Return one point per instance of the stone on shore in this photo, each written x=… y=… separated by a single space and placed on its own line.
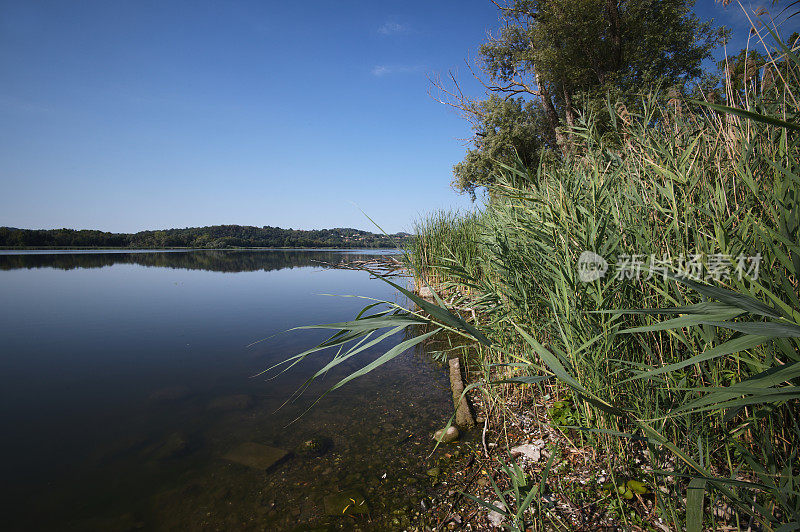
x=426 y=292
x=256 y=455
x=528 y=450
x=446 y=436
x=496 y=519
x=230 y=403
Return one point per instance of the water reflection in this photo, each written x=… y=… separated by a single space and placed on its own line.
x=211 y=260
x=127 y=382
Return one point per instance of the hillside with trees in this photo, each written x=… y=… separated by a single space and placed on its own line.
x=211 y=237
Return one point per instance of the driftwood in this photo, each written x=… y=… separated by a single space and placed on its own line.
x=378 y=267
x=464 y=418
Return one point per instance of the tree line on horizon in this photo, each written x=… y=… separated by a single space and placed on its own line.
x=211 y=237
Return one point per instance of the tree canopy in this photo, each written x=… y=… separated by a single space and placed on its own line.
x=550 y=56
x=505 y=129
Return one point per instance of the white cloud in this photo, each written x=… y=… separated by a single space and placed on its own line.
x=393 y=28
x=384 y=70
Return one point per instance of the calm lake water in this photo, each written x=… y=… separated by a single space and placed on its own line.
x=127 y=379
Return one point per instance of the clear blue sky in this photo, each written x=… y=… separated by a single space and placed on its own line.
x=130 y=115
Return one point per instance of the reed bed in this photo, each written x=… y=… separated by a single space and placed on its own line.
x=696 y=213
x=444 y=239
x=687 y=347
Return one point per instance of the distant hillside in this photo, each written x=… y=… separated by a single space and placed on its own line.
x=215 y=236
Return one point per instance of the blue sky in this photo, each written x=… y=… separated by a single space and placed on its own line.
x=735 y=18
x=130 y=115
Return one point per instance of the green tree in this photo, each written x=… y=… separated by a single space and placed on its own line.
x=504 y=130
x=556 y=54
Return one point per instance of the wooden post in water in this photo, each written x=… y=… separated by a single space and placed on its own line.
x=463 y=414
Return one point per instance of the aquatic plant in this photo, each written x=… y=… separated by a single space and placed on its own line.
x=442 y=239
x=713 y=392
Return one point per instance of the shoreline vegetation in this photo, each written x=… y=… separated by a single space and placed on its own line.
x=664 y=401
x=651 y=394
x=210 y=237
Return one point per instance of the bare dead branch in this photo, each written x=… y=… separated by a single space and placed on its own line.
x=450 y=94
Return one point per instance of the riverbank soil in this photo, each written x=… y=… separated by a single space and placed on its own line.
x=582 y=490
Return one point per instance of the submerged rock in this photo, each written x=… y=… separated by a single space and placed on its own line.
x=231 y=402
x=317 y=445
x=172 y=393
x=256 y=455
x=127 y=445
x=345 y=503
x=446 y=436
x=124 y=523
x=174 y=445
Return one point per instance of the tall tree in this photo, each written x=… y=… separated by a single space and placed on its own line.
x=556 y=53
x=504 y=130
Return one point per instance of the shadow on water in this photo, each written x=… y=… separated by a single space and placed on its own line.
x=128 y=385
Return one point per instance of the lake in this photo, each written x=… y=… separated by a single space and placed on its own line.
x=128 y=393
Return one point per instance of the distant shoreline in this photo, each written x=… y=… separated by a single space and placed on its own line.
x=181 y=249
x=178 y=248
x=209 y=237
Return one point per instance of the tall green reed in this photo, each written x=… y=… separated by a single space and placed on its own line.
x=444 y=238
x=714 y=389
x=670 y=182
